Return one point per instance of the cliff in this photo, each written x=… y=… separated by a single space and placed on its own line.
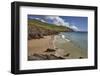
x=38 y=29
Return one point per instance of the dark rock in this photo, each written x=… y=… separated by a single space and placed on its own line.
x=34 y=35
x=67 y=54
x=41 y=56
x=80 y=57
x=50 y=50
x=51 y=57
x=44 y=57
x=40 y=35
x=35 y=32
x=34 y=58
x=61 y=58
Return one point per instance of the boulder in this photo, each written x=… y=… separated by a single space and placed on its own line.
x=68 y=54
x=53 y=57
x=50 y=50
x=80 y=57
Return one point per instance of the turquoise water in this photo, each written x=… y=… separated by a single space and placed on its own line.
x=77 y=38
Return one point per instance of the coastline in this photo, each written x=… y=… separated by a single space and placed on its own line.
x=62 y=48
x=70 y=50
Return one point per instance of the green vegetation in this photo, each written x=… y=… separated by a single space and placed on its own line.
x=38 y=29
x=47 y=26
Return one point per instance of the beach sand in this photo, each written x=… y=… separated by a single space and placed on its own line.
x=65 y=49
x=40 y=45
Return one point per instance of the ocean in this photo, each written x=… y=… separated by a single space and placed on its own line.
x=79 y=39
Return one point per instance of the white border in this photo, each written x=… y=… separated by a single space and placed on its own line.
x=26 y=65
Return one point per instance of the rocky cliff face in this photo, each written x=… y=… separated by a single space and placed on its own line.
x=37 y=32
x=37 y=29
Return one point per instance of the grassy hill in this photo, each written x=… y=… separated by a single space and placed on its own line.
x=38 y=29
x=47 y=26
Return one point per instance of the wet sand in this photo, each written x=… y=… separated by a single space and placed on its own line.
x=69 y=50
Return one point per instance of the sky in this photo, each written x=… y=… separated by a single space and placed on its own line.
x=74 y=22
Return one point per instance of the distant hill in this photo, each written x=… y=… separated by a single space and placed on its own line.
x=38 y=29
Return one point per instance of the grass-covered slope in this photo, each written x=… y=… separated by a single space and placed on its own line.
x=48 y=26
x=38 y=29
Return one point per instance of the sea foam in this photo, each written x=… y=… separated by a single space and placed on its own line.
x=63 y=36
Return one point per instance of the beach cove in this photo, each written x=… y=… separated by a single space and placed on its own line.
x=62 y=48
x=47 y=41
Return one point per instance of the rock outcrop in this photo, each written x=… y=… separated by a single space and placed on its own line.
x=37 y=32
x=50 y=50
x=38 y=29
x=44 y=57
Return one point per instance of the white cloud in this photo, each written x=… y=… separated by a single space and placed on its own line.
x=74 y=28
x=37 y=18
x=40 y=19
x=59 y=21
x=67 y=24
x=56 y=20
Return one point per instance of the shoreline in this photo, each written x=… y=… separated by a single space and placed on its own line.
x=67 y=47
x=63 y=48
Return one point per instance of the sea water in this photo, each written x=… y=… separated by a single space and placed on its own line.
x=79 y=39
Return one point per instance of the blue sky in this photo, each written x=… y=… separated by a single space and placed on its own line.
x=74 y=22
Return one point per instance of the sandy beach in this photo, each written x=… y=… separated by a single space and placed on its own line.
x=40 y=45
x=65 y=49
